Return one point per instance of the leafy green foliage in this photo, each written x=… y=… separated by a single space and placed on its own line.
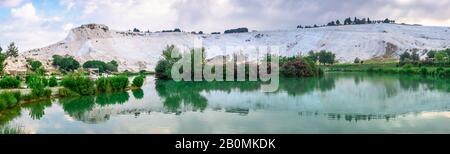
x=9 y=99
x=34 y=64
x=112 y=84
x=102 y=66
x=79 y=84
x=53 y=82
x=65 y=63
x=357 y=60
x=138 y=81
x=9 y=82
x=64 y=92
x=299 y=67
x=324 y=57
x=12 y=50
x=2 y=60
x=164 y=66
x=441 y=56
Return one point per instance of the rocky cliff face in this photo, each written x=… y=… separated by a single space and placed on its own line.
x=141 y=51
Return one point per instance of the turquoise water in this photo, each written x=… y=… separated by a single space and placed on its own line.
x=336 y=103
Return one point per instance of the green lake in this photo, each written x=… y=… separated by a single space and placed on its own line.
x=335 y=103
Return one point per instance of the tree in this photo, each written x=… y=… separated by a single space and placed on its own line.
x=431 y=54
x=136 y=30
x=2 y=60
x=65 y=63
x=326 y=57
x=357 y=60
x=368 y=21
x=348 y=21
x=405 y=57
x=177 y=30
x=138 y=81
x=53 y=82
x=34 y=64
x=338 y=22
x=112 y=66
x=415 y=56
x=12 y=50
x=313 y=56
x=386 y=21
x=440 y=56
x=102 y=66
x=237 y=30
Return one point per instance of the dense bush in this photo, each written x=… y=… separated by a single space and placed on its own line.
x=64 y=92
x=65 y=63
x=323 y=57
x=298 y=68
x=9 y=99
x=102 y=66
x=53 y=82
x=9 y=82
x=112 y=84
x=138 y=81
x=41 y=93
x=423 y=71
x=34 y=64
x=163 y=69
x=79 y=84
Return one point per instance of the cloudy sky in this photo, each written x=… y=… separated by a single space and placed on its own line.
x=37 y=23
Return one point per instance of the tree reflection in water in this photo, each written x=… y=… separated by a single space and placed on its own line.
x=138 y=94
x=37 y=110
x=178 y=97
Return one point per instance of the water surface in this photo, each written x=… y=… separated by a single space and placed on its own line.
x=336 y=103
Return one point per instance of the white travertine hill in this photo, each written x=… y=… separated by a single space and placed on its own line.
x=141 y=51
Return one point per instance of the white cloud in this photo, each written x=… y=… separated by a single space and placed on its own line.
x=28 y=30
x=26 y=12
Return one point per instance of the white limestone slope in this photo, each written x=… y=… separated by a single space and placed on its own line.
x=141 y=51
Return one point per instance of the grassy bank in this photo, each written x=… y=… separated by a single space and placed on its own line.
x=391 y=68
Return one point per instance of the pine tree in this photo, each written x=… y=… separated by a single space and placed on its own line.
x=12 y=50
x=1 y=49
x=368 y=21
x=338 y=22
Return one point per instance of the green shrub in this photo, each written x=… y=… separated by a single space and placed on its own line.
x=7 y=100
x=439 y=72
x=119 y=83
x=41 y=93
x=65 y=63
x=447 y=72
x=36 y=81
x=9 y=82
x=112 y=84
x=163 y=70
x=138 y=81
x=423 y=71
x=64 y=92
x=34 y=64
x=407 y=71
x=53 y=82
x=408 y=66
x=299 y=67
x=102 y=66
x=79 y=84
